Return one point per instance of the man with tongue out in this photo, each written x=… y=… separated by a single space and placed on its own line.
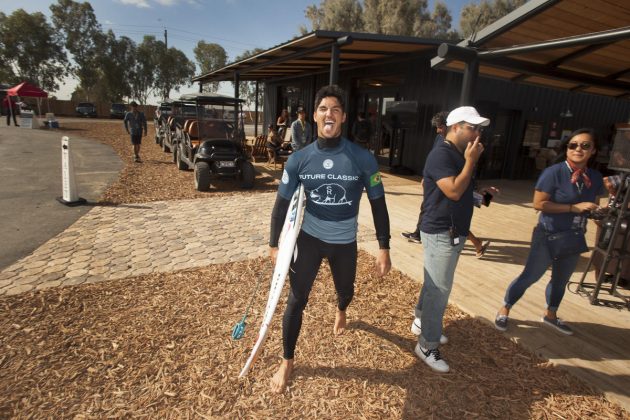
x=334 y=172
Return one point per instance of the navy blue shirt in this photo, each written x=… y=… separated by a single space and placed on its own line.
x=134 y=123
x=334 y=180
x=556 y=181
x=440 y=212
x=438 y=139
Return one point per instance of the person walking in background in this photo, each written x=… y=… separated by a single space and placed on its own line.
x=448 y=205
x=329 y=229
x=362 y=131
x=564 y=194
x=135 y=122
x=301 y=132
x=11 y=108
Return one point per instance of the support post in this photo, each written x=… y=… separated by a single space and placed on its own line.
x=237 y=108
x=334 y=64
x=256 y=112
x=471 y=74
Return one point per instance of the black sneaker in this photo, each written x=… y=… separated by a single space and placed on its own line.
x=412 y=237
x=558 y=325
x=500 y=322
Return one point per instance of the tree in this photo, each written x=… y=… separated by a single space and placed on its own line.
x=394 y=17
x=476 y=16
x=210 y=57
x=116 y=66
x=142 y=77
x=159 y=70
x=34 y=56
x=336 y=15
x=173 y=70
x=391 y=17
x=437 y=26
x=83 y=38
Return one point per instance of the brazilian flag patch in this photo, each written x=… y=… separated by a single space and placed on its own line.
x=375 y=179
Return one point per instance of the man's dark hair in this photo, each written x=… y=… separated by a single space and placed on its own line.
x=331 y=90
x=439 y=119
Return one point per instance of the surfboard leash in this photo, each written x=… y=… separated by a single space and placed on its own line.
x=238 y=331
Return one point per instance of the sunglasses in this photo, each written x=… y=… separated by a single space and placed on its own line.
x=474 y=127
x=584 y=146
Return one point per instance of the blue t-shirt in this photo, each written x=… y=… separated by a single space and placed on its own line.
x=556 y=181
x=440 y=213
x=333 y=180
x=135 y=123
x=438 y=139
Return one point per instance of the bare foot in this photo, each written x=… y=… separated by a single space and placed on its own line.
x=280 y=380
x=340 y=322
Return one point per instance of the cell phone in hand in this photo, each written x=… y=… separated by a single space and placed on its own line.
x=487 y=198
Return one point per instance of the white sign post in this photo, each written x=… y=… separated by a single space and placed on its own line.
x=69 y=185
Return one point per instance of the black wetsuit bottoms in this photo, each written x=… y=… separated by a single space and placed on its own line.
x=342 y=259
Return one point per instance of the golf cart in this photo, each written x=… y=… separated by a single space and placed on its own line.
x=159 y=121
x=180 y=112
x=212 y=144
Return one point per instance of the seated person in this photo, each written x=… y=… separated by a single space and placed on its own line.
x=275 y=146
x=282 y=123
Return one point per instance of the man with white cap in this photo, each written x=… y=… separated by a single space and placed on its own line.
x=448 y=205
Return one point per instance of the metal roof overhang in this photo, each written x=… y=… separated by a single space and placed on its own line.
x=313 y=53
x=577 y=45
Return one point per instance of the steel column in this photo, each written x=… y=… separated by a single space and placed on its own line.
x=471 y=74
x=334 y=64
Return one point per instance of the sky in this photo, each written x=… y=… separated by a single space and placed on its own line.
x=237 y=25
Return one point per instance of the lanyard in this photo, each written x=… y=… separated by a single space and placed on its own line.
x=579 y=185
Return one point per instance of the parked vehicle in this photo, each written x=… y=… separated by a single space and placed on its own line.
x=212 y=145
x=117 y=111
x=160 y=118
x=86 y=109
x=181 y=111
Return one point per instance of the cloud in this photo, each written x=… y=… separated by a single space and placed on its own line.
x=143 y=4
x=176 y=2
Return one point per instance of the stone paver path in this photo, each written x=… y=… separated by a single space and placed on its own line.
x=113 y=242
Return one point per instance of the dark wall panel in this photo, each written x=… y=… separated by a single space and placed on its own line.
x=436 y=90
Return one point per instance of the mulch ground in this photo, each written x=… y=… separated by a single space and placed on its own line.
x=160 y=345
x=156 y=178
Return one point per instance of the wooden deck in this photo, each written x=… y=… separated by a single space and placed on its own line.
x=598 y=352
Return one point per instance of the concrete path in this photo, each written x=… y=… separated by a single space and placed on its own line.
x=30 y=169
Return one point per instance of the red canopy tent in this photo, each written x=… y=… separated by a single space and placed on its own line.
x=27 y=89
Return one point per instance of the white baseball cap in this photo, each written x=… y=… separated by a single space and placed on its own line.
x=466 y=114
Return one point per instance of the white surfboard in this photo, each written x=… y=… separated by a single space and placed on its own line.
x=288 y=237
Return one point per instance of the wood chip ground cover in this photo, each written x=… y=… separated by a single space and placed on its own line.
x=160 y=345
x=156 y=178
